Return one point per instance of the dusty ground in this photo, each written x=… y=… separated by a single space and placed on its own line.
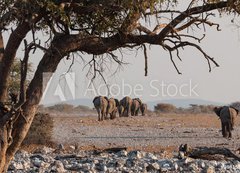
x=144 y=132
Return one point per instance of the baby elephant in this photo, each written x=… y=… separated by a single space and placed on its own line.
x=227 y=115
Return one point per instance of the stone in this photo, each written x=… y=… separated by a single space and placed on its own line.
x=59 y=166
x=202 y=164
x=16 y=166
x=37 y=162
x=122 y=153
x=44 y=150
x=175 y=166
x=61 y=147
x=72 y=147
x=135 y=154
x=151 y=156
x=210 y=169
x=181 y=155
x=153 y=166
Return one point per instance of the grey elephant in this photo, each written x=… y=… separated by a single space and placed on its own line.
x=136 y=103
x=227 y=116
x=126 y=104
x=143 y=108
x=112 y=108
x=101 y=103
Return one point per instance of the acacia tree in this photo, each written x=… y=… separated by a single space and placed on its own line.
x=94 y=27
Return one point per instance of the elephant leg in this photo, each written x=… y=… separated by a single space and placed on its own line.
x=132 y=112
x=232 y=122
x=229 y=129
x=129 y=110
x=103 y=112
x=137 y=112
x=99 y=115
x=224 y=132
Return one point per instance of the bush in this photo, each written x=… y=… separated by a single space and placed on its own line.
x=61 y=108
x=41 y=130
x=164 y=107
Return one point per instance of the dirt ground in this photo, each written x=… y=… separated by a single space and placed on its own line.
x=152 y=133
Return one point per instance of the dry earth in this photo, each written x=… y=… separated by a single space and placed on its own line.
x=149 y=133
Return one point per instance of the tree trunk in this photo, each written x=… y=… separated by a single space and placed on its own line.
x=1 y=47
x=35 y=90
x=8 y=57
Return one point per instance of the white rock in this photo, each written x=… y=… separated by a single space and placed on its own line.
x=210 y=169
x=151 y=156
x=61 y=147
x=37 y=162
x=16 y=166
x=181 y=155
x=175 y=166
x=237 y=165
x=122 y=153
x=59 y=166
x=72 y=147
x=202 y=164
x=154 y=166
x=135 y=154
x=187 y=160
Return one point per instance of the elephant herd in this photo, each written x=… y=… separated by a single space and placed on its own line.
x=127 y=106
x=110 y=107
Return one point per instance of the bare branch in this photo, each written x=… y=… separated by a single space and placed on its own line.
x=146 y=59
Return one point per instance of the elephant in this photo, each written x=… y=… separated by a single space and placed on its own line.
x=143 y=108
x=120 y=110
x=126 y=103
x=136 y=103
x=101 y=103
x=227 y=115
x=112 y=108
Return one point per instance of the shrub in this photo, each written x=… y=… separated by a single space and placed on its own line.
x=164 y=107
x=41 y=130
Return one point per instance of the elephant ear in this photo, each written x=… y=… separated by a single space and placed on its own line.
x=95 y=98
x=217 y=110
x=235 y=109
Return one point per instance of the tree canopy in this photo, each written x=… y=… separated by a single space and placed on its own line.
x=95 y=27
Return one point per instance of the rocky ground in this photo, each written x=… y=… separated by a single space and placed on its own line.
x=147 y=144
x=50 y=160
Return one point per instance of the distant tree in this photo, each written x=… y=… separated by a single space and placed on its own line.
x=164 y=107
x=65 y=108
x=81 y=108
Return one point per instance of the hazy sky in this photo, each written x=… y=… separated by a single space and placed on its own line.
x=163 y=82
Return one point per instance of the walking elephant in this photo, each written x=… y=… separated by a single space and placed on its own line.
x=143 y=108
x=101 y=103
x=120 y=109
x=136 y=103
x=126 y=104
x=112 y=108
x=227 y=116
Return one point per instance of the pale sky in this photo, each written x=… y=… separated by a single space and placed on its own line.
x=221 y=85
